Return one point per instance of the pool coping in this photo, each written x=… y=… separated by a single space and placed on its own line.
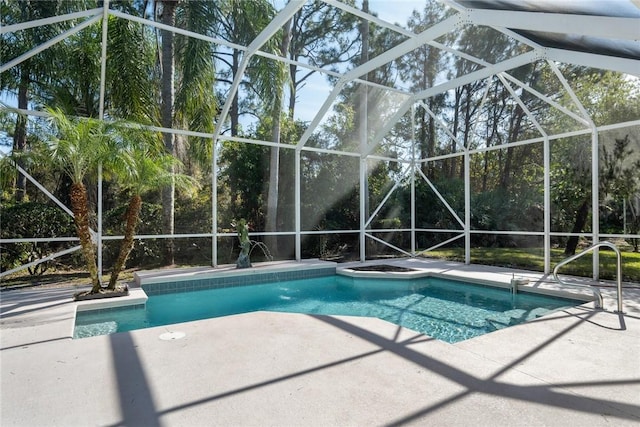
x=520 y=282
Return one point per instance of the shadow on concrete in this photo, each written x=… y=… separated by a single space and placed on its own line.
x=270 y=382
x=136 y=400
x=19 y=303
x=418 y=338
x=584 y=315
x=138 y=407
x=25 y=345
x=20 y=312
x=544 y=394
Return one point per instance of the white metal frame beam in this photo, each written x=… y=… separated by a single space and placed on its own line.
x=49 y=43
x=586 y=25
x=51 y=20
x=276 y=23
x=593 y=60
x=484 y=73
x=384 y=58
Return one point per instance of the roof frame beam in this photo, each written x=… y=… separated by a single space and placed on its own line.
x=51 y=20
x=593 y=60
x=276 y=23
x=405 y=47
x=36 y=50
x=509 y=64
x=587 y=25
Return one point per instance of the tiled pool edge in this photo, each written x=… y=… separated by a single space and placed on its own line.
x=233 y=280
x=186 y=280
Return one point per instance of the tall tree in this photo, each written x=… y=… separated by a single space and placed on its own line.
x=187 y=93
x=76 y=148
x=240 y=23
x=271 y=223
x=148 y=170
x=608 y=97
x=320 y=36
x=31 y=74
x=423 y=76
x=167 y=95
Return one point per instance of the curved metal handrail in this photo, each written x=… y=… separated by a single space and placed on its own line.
x=596 y=291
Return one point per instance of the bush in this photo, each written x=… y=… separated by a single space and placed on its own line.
x=30 y=219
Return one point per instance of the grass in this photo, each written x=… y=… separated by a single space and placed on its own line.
x=533 y=259
x=56 y=278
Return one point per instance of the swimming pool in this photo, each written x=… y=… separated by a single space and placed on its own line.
x=447 y=310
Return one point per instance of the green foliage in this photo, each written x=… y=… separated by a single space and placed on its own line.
x=243 y=179
x=130 y=63
x=25 y=220
x=503 y=210
x=145 y=252
x=193 y=211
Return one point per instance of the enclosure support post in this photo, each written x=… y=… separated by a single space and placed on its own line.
x=595 y=213
x=547 y=205
x=103 y=74
x=363 y=207
x=467 y=207
x=297 y=204
x=595 y=224
x=413 y=180
x=214 y=204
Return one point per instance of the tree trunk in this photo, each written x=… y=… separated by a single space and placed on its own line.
x=167 y=114
x=514 y=133
x=578 y=226
x=293 y=69
x=234 y=111
x=131 y=217
x=423 y=141
x=451 y=171
x=79 y=204
x=20 y=134
x=271 y=224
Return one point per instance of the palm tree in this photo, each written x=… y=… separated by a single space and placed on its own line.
x=186 y=88
x=30 y=78
x=149 y=170
x=79 y=146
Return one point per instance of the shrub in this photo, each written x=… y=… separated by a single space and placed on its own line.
x=30 y=219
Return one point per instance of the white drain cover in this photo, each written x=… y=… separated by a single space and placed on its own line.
x=168 y=336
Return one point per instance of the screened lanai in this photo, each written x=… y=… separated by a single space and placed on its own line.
x=336 y=129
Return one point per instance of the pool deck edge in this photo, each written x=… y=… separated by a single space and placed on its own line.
x=572 y=367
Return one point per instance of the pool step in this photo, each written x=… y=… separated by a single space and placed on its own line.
x=513 y=317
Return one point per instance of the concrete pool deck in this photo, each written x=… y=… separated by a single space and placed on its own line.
x=574 y=367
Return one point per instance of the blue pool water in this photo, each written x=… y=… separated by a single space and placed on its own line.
x=447 y=310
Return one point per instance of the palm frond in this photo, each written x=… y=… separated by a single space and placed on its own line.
x=79 y=145
x=129 y=67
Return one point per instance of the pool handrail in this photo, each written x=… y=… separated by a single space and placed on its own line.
x=596 y=291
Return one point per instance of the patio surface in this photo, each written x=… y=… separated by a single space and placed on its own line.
x=575 y=367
